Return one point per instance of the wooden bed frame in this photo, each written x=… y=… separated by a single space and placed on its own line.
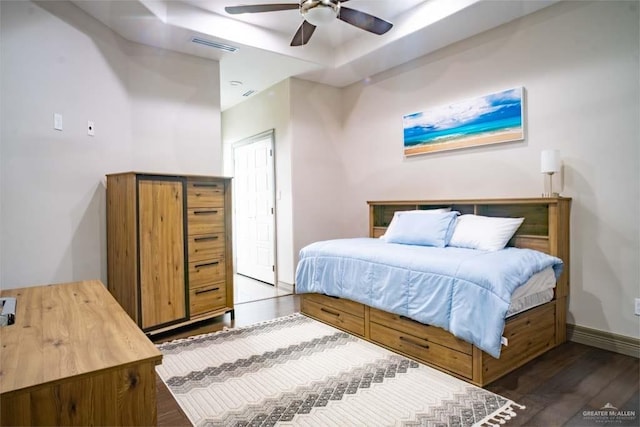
x=529 y=334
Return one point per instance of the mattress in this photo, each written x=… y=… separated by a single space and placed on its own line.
x=536 y=291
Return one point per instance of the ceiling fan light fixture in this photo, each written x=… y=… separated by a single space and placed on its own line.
x=319 y=12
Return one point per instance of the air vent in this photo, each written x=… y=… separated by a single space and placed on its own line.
x=213 y=44
x=249 y=92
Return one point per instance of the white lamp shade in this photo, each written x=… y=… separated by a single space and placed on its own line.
x=550 y=161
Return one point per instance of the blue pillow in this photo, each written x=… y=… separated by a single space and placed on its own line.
x=424 y=230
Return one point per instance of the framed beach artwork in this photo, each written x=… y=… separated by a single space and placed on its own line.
x=489 y=119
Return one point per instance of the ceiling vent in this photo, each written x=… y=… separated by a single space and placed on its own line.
x=211 y=43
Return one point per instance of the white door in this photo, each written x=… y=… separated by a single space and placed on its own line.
x=253 y=191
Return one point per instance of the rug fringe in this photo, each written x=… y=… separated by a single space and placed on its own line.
x=501 y=416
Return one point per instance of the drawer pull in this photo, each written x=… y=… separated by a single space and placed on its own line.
x=208 y=264
x=205 y=212
x=417 y=344
x=205 y=239
x=203 y=291
x=205 y=184
x=331 y=312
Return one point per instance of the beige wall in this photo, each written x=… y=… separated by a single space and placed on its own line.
x=269 y=109
x=154 y=110
x=579 y=64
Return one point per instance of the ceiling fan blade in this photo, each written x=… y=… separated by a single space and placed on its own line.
x=256 y=8
x=303 y=34
x=365 y=21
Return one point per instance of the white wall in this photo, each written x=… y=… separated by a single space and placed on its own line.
x=318 y=174
x=154 y=111
x=269 y=109
x=579 y=63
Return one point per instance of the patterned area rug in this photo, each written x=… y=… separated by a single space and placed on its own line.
x=297 y=371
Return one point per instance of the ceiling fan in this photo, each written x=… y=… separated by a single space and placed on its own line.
x=318 y=12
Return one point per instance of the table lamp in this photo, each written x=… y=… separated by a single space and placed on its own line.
x=550 y=164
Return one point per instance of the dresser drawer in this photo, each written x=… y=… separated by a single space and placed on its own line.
x=205 y=272
x=205 y=194
x=206 y=246
x=332 y=316
x=207 y=298
x=335 y=303
x=426 y=351
x=420 y=330
x=205 y=220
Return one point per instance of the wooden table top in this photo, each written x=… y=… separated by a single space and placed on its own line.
x=67 y=330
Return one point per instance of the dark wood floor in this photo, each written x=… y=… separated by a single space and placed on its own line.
x=557 y=388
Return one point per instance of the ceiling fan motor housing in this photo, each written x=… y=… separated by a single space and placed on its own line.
x=319 y=12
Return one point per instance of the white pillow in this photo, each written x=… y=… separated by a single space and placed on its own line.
x=423 y=230
x=394 y=220
x=484 y=232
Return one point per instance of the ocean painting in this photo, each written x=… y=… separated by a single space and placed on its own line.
x=489 y=119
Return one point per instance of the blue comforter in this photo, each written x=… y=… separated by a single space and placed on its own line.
x=465 y=291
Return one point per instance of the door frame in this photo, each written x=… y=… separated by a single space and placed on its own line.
x=248 y=141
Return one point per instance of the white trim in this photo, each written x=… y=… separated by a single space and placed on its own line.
x=246 y=141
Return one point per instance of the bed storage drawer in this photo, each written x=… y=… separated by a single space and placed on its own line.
x=529 y=334
x=333 y=316
x=420 y=330
x=336 y=303
x=424 y=350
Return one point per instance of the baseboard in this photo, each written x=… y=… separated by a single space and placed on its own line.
x=287 y=287
x=604 y=340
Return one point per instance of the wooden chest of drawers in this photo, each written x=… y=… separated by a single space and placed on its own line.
x=169 y=247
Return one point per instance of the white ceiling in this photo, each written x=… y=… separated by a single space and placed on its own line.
x=338 y=54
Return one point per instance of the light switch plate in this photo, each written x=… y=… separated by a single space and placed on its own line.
x=57 y=121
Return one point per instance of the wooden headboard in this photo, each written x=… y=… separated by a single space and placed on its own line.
x=545 y=227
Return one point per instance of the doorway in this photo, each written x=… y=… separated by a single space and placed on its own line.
x=254 y=215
